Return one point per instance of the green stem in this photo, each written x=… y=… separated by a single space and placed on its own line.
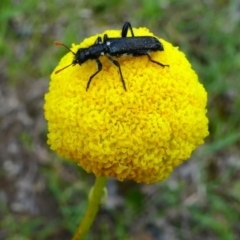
x=92 y=209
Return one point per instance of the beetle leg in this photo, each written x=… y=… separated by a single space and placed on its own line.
x=99 y=40
x=126 y=26
x=105 y=38
x=116 y=63
x=99 y=65
x=160 y=64
x=145 y=53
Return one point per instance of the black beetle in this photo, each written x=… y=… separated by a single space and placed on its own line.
x=116 y=47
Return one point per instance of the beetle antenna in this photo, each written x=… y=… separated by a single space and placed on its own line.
x=59 y=70
x=61 y=44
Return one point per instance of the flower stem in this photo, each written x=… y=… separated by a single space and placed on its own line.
x=92 y=209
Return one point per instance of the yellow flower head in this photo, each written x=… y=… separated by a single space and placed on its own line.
x=142 y=133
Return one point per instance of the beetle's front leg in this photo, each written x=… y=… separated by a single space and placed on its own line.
x=99 y=65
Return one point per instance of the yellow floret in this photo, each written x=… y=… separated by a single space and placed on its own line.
x=142 y=133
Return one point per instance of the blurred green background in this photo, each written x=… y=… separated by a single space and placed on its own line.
x=44 y=197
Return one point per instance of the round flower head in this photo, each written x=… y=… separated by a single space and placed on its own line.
x=142 y=133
